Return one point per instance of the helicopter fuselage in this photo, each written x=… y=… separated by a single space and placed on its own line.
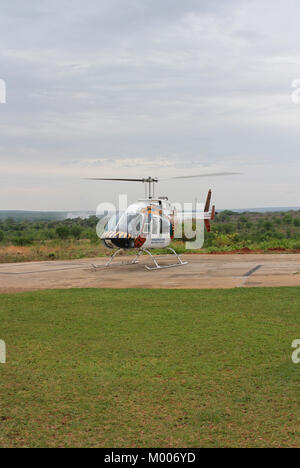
x=146 y=224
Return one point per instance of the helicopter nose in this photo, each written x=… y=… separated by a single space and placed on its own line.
x=115 y=235
x=123 y=240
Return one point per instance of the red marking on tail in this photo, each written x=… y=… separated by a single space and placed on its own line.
x=208 y=200
x=213 y=213
x=207 y=225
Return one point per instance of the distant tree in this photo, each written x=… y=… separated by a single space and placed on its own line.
x=76 y=232
x=1 y=236
x=62 y=232
x=50 y=234
x=22 y=241
x=288 y=219
x=297 y=222
x=228 y=228
x=268 y=225
x=260 y=224
x=92 y=236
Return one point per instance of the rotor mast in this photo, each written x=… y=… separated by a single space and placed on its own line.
x=150 y=187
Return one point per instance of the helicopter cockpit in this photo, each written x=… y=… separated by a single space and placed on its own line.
x=131 y=228
x=124 y=222
x=123 y=228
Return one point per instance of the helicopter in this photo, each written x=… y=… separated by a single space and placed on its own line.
x=150 y=222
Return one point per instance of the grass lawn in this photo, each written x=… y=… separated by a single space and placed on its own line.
x=148 y=368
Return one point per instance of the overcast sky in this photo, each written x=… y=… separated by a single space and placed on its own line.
x=149 y=87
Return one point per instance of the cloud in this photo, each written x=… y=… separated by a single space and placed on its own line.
x=119 y=163
x=125 y=86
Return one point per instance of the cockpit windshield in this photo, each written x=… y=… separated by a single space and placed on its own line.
x=129 y=222
x=113 y=222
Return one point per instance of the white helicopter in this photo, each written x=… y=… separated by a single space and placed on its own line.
x=149 y=223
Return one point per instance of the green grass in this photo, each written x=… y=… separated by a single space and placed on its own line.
x=147 y=368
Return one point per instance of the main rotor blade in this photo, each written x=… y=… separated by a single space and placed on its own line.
x=122 y=180
x=213 y=174
x=150 y=179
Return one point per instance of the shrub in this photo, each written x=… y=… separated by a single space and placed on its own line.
x=288 y=219
x=92 y=236
x=297 y=222
x=22 y=241
x=76 y=232
x=226 y=240
x=62 y=232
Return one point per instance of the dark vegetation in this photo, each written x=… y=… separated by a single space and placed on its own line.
x=39 y=215
x=26 y=240
x=27 y=232
x=255 y=230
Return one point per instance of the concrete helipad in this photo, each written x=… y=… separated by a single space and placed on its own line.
x=202 y=271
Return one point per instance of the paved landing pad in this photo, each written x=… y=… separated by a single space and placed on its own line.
x=202 y=271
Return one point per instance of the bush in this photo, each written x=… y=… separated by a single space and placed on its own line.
x=63 y=232
x=226 y=240
x=92 y=236
x=76 y=232
x=297 y=222
x=22 y=241
x=227 y=228
x=288 y=219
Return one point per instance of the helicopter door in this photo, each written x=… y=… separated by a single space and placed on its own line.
x=157 y=238
x=146 y=226
x=155 y=227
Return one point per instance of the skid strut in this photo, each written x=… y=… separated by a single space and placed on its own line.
x=160 y=267
x=132 y=262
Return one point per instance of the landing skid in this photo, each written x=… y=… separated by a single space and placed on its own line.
x=161 y=267
x=136 y=260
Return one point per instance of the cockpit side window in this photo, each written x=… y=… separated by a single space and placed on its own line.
x=165 y=225
x=146 y=228
x=155 y=226
x=138 y=224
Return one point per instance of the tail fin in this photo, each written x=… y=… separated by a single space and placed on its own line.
x=206 y=210
x=208 y=200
